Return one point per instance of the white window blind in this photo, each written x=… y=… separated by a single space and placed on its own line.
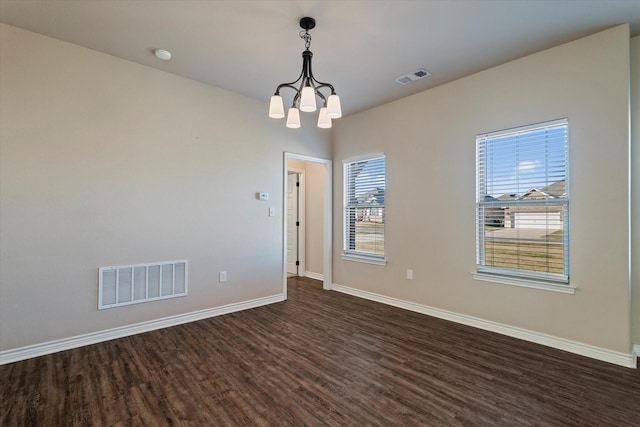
x=522 y=202
x=364 y=204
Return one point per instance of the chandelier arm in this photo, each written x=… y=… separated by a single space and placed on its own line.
x=289 y=85
x=322 y=97
x=295 y=99
x=318 y=84
x=323 y=85
x=299 y=89
x=304 y=76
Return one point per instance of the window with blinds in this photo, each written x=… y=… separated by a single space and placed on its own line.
x=364 y=206
x=522 y=202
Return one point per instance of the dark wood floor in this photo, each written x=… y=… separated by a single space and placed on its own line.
x=320 y=358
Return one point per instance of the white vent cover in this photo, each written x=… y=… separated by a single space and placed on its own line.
x=132 y=284
x=413 y=77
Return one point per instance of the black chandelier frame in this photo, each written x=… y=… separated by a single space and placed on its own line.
x=306 y=77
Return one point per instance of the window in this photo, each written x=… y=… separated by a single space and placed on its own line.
x=364 y=209
x=522 y=202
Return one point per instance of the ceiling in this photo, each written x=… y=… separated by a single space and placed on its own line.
x=361 y=47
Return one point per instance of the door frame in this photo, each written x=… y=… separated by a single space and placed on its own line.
x=327 y=217
x=301 y=217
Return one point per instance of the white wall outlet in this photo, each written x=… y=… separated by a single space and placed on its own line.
x=223 y=276
x=410 y=274
x=272 y=211
x=264 y=196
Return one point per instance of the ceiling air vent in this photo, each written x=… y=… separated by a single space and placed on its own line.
x=413 y=77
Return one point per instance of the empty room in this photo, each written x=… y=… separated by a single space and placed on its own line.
x=309 y=213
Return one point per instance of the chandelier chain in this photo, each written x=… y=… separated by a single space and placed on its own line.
x=304 y=35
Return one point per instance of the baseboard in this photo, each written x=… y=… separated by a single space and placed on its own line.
x=316 y=276
x=22 y=353
x=622 y=359
x=636 y=351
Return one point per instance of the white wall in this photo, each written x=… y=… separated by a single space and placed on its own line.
x=106 y=162
x=429 y=140
x=635 y=186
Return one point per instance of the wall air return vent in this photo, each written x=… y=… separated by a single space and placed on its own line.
x=413 y=77
x=132 y=284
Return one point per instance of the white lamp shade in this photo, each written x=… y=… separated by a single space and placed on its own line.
x=276 y=108
x=324 y=121
x=308 y=99
x=293 y=118
x=334 y=110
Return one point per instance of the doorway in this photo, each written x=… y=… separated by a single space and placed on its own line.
x=307 y=222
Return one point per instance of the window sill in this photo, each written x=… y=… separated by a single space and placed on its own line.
x=364 y=259
x=525 y=283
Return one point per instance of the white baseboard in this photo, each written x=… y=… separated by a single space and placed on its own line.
x=316 y=276
x=622 y=359
x=22 y=353
x=636 y=351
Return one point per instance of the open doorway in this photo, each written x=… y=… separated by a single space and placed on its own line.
x=307 y=222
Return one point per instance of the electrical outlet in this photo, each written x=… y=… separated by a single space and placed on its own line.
x=223 y=276
x=410 y=274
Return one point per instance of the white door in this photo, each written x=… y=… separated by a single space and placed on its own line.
x=292 y=224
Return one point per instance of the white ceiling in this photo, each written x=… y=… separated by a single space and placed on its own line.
x=250 y=46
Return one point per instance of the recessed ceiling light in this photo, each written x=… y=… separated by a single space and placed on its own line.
x=165 y=55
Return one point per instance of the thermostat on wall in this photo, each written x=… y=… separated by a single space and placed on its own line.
x=264 y=196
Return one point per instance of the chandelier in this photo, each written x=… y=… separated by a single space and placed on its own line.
x=308 y=89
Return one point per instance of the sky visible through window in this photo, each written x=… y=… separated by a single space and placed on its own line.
x=516 y=163
x=371 y=177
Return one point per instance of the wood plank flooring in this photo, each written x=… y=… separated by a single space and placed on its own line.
x=319 y=359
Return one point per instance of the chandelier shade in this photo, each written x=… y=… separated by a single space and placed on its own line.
x=307 y=91
x=334 y=110
x=276 y=107
x=308 y=99
x=293 y=118
x=324 y=121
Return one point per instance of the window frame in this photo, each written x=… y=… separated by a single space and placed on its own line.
x=514 y=276
x=350 y=254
